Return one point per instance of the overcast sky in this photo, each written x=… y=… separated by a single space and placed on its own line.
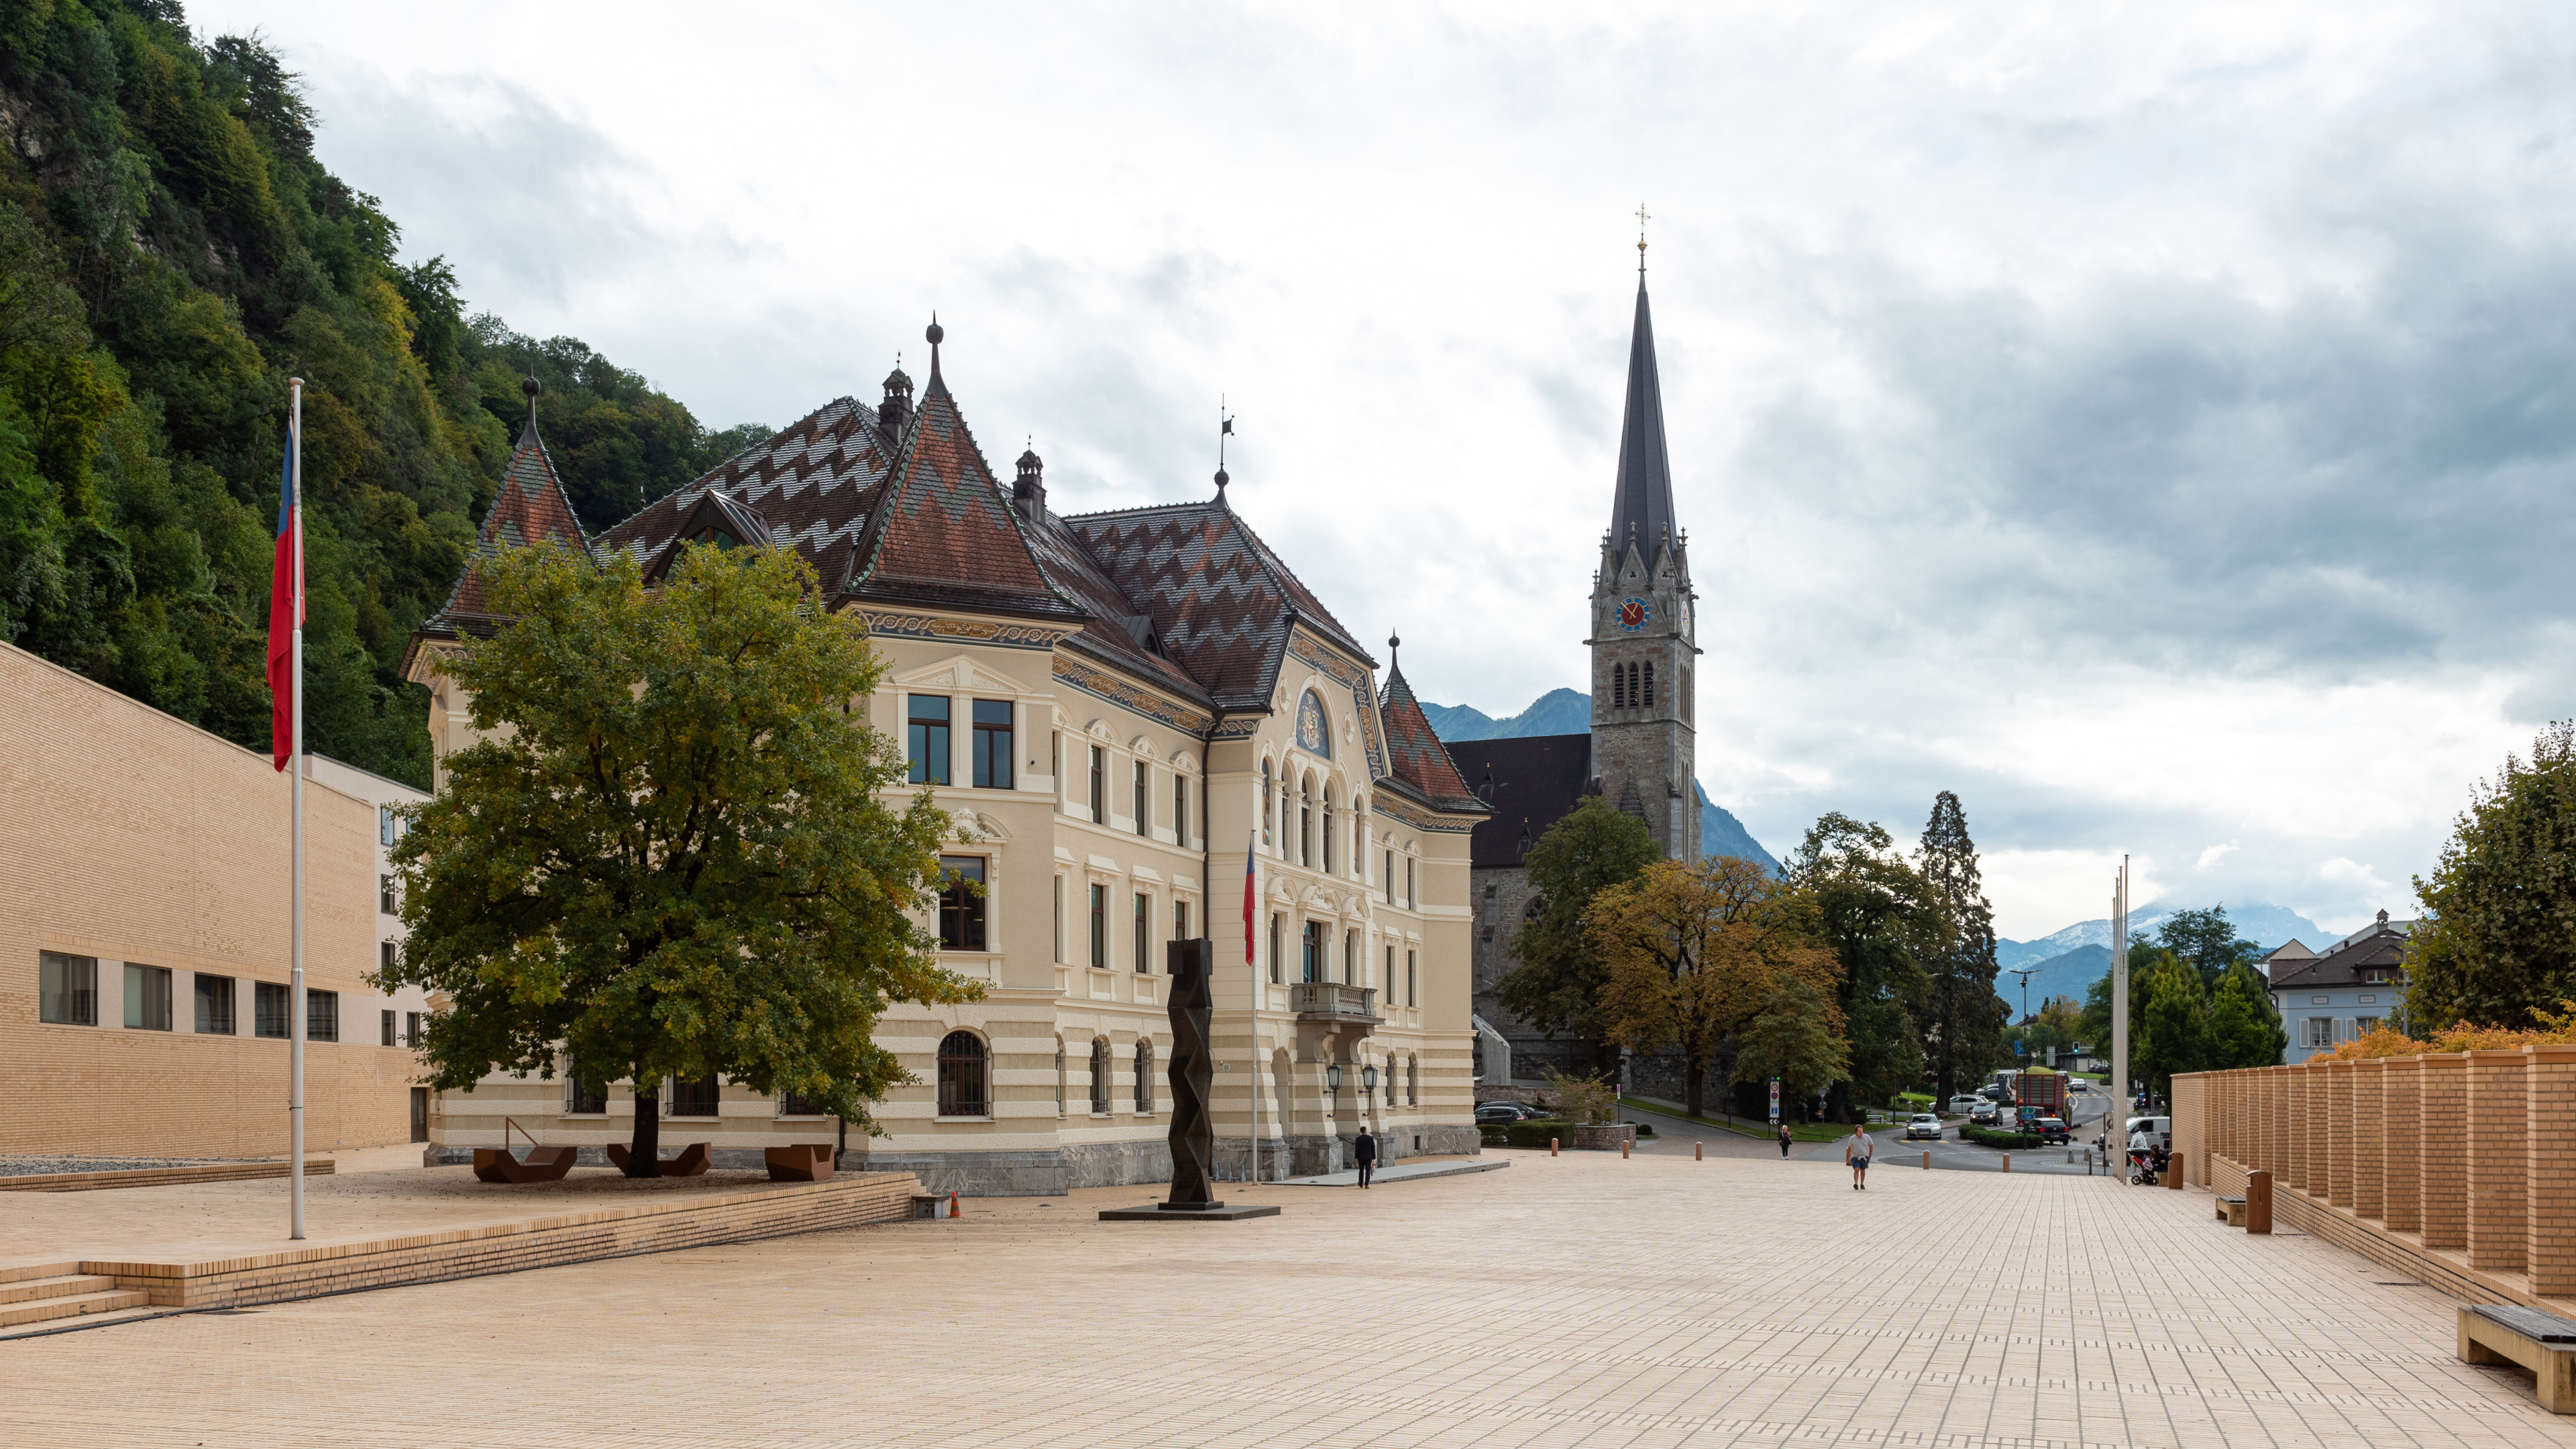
x=2156 y=429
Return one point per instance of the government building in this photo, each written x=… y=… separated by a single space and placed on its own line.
x=1126 y=712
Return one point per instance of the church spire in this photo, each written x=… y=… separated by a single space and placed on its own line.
x=1642 y=511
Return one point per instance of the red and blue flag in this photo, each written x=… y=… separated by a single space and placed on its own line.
x=285 y=608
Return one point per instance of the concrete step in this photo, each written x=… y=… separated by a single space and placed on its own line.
x=70 y=1305
x=54 y=1287
x=20 y=1272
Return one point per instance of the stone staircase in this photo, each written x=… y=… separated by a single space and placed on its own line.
x=41 y=1293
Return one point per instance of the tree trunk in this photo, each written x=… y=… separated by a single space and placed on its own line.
x=643 y=1154
x=1694 y=1084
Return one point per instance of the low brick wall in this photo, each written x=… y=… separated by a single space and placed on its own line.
x=158 y=1176
x=654 y=1227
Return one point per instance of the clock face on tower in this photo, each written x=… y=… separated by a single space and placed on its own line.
x=1632 y=614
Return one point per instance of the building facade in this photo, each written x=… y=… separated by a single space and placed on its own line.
x=2355 y=987
x=145 y=1003
x=1126 y=712
x=1640 y=752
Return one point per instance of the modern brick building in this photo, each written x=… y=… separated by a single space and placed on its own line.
x=1640 y=750
x=144 y=920
x=1114 y=705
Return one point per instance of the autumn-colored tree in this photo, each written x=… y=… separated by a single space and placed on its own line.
x=1557 y=985
x=2556 y=1028
x=671 y=854
x=1692 y=952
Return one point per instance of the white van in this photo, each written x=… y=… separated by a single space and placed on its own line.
x=2160 y=1127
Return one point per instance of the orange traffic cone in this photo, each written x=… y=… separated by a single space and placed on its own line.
x=952 y=1205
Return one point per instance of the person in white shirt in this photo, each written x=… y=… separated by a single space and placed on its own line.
x=1857 y=1150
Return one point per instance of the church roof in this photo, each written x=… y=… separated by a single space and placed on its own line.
x=1530 y=783
x=1642 y=505
x=1221 y=599
x=1414 y=753
x=531 y=507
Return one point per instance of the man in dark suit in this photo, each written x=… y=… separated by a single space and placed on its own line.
x=1364 y=1152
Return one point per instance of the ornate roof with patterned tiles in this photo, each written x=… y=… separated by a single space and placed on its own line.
x=1414 y=753
x=531 y=507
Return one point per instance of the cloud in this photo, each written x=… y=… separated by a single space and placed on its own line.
x=2214 y=855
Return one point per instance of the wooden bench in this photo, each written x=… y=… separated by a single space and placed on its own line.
x=804 y=1162
x=2231 y=1211
x=543 y=1164
x=692 y=1161
x=2541 y=1342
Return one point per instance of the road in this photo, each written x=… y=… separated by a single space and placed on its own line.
x=1678 y=1134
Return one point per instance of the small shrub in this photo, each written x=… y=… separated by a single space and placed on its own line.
x=2008 y=1141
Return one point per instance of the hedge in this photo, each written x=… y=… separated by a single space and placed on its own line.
x=2005 y=1140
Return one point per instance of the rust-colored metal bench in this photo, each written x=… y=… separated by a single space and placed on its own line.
x=693 y=1160
x=542 y=1164
x=804 y=1162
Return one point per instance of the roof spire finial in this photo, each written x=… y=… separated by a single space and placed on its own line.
x=933 y=334
x=531 y=387
x=1642 y=219
x=1393 y=643
x=1224 y=430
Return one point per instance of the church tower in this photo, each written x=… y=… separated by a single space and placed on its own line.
x=1643 y=651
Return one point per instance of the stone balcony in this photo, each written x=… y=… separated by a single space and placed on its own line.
x=1328 y=1001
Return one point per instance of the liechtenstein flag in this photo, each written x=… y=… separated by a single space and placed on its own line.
x=285 y=608
x=1250 y=894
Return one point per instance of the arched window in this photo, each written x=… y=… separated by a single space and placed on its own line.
x=1413 y=1081
x=961 y=1076
x=1144 y=1075
x=1328 y=827
x=1306 y=822
x=1100 y=1075
x=1618 y=686
x=1059 y=1076
x=1390 y=1062
x=1650 y=684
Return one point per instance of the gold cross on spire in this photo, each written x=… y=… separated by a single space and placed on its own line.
x=1642 y=219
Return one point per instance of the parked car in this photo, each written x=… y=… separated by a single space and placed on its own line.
x=1922 y=1124
x=2052 y=1129
x=2078 y=1084
x=1961 y=1106
x=1503 y=1114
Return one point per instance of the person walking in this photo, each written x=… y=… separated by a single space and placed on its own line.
x=1364 y=1152
x=1785 y=1139
x=1857 y=1151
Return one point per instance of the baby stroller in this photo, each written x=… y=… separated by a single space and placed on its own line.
x=2146 y=1166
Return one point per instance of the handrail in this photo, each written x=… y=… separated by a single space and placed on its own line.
x=507 y=1124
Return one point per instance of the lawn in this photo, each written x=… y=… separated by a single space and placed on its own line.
x=1742 y=1126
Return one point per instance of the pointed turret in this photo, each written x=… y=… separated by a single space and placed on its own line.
x=1641 y=510
x=1415 y=756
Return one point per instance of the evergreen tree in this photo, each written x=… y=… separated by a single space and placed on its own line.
x=2173 y=1030
x=1793 y=1038
x=2244 y=1027
x=1964 y=1017
x=2206 y=941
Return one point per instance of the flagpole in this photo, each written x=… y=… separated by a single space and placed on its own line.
x=1252 y=959
x=295 y=673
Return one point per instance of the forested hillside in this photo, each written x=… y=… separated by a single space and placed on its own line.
x=170 y=253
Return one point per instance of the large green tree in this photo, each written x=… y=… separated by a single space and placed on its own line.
x=670 y=855
x=2498 y=945
x=1557 y=985
x=2207 y=942
x=1880 y=917
x=1793 y=1038
x=1962 y=1017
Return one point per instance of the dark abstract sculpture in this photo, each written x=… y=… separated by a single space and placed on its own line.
x=1193 y=1130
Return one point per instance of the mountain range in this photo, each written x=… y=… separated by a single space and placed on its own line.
x=2067 y=962
x=1569 y=712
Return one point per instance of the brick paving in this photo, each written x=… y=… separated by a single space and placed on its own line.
x=1575 y=1300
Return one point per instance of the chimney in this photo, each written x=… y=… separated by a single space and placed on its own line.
x=1028 y=491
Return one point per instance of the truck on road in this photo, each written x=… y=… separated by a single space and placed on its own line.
x=2036 y=1093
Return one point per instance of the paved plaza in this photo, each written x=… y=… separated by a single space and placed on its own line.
x=1571 y=1300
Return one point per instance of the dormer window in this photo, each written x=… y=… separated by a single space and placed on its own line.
x=716 y=536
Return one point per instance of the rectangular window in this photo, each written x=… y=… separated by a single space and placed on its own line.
x=1059 y=920
x=271 y=1010
x=411 y=1028
x=1055 y=759
x=1144 y=928
x=385 y=895
x=797 y=1104
x=387 y=955
x=961 y=903
x=1099 y=785
x=2316 y=1033
x=695 y=1098
x=1180 y=920
x=1390 y=877
x=2364 y=1025
x=384 y=825
x=1390 y=976
x=321 y=1015
x=1412 y=995
x=1180 y=810
x=925 y=739
x=385 y=1028
x=1350 y=958
x=1143 y=801
x=1100 y=928
x=147 y=997
x=215 y=1005
x=67 y=988
x=1411 y=901
x=583 y=1096
x=1274 y=948
x=992 y=744
x=1311 y=948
